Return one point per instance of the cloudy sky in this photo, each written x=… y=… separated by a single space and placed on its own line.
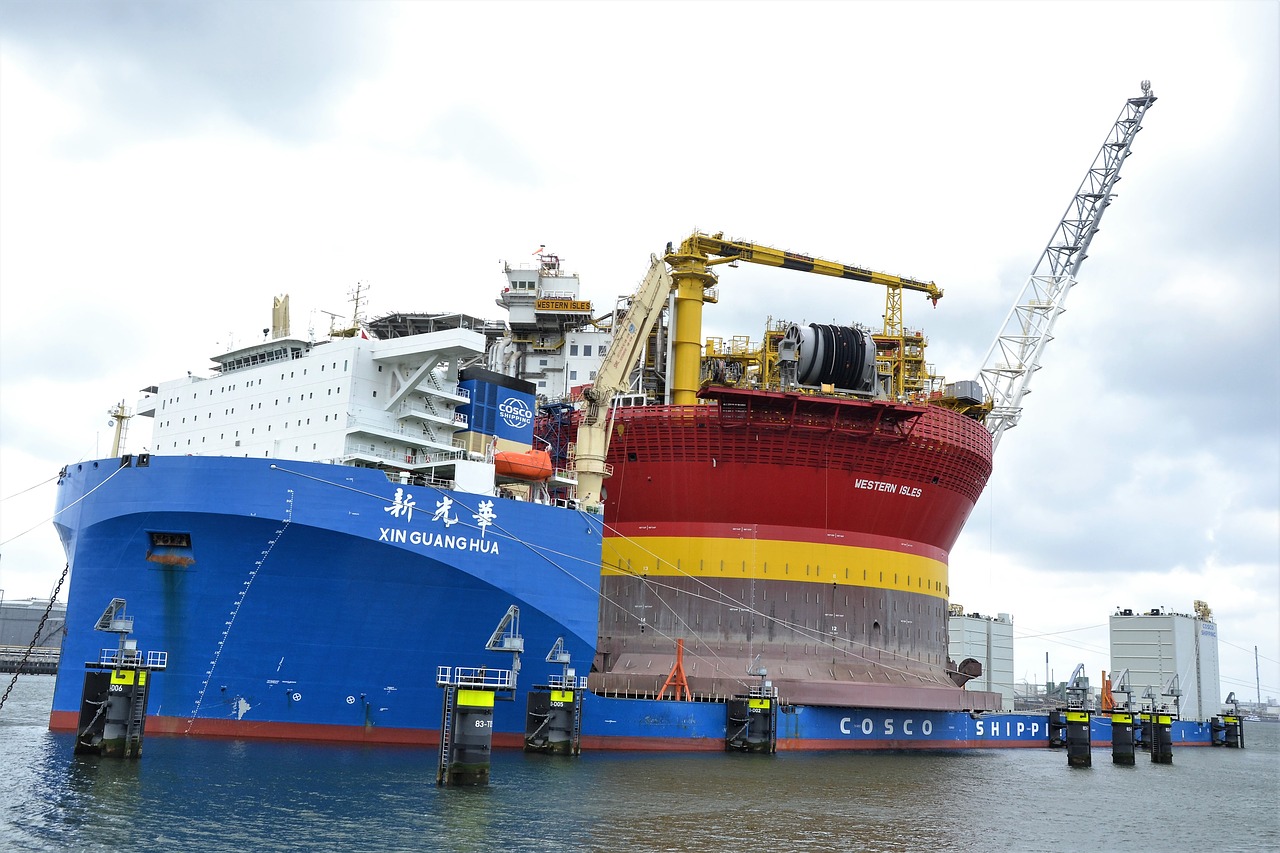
x=166 y=168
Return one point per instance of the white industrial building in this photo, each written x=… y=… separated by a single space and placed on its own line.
x=1169 y=656
x=20 y=619
x=989 y=641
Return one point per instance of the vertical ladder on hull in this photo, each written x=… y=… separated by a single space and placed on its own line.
x=575 y=741
x=446 y=728
x=137 y=719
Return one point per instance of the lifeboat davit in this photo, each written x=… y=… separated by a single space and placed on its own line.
x=529 y=465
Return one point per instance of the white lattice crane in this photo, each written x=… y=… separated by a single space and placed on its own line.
x=1015 y=356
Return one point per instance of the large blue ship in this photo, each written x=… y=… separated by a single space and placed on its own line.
x=322 y=532
x=301 y=600
x=318 y=527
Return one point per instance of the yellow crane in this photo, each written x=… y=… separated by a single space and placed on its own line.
x=613 y=376
x=692 y=278
x=689 y=278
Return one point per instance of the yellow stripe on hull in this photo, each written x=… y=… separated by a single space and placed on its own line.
x=769 y=559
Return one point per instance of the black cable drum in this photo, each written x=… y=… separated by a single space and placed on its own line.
x=842 y=356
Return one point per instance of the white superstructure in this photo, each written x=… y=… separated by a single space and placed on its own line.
x=552 y=340
x=348 y=400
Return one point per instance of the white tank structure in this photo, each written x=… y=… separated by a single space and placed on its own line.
x=20 y=618
x=1172 y=659
x=989 y=641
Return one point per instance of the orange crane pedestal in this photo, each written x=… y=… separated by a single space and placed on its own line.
x=676 y=680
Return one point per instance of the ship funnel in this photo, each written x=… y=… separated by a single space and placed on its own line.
x=280 y=317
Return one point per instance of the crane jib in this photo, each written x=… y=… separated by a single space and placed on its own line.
x=804 y=263
x=1015 y=355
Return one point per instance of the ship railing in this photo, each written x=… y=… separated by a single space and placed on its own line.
x=479 y=677
x=571 y=683
x=414 y=434
x=433 y=458
x=40 y=654
x=762 y=691
x=435 y=482
x=546 y=345
x=401 y=478
x=461 y=448
x=118 y=657
x=418 y=407
x=508 y=267
x=630 y=693
x=370 y=450
x=132 y=659
x=431 y=385
x=448 y=455
x=400 y=458
x=254 y=360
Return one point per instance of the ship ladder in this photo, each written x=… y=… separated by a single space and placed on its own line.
x=446 y=741
x=575 y=741
x=137 y=720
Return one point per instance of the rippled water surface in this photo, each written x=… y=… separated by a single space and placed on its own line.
x=192 y=794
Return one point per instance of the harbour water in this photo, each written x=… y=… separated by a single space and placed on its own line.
x=192 y=794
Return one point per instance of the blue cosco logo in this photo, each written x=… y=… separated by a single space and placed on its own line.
x=515 y=413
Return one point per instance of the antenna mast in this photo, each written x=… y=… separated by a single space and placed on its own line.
x=120 y=420
x=361 y=289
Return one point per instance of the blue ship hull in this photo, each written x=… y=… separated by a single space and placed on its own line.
x=303 y=600
x=310 y=597
x=653 y=724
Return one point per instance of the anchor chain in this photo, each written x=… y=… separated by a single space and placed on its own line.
x=36 y=638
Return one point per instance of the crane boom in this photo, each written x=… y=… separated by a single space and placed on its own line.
x=629 y=339
x=1014 y=357
x=735 y=250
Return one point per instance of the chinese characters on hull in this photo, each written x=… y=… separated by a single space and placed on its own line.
x=403 y=505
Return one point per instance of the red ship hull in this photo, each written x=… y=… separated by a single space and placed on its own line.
x=804 y=535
